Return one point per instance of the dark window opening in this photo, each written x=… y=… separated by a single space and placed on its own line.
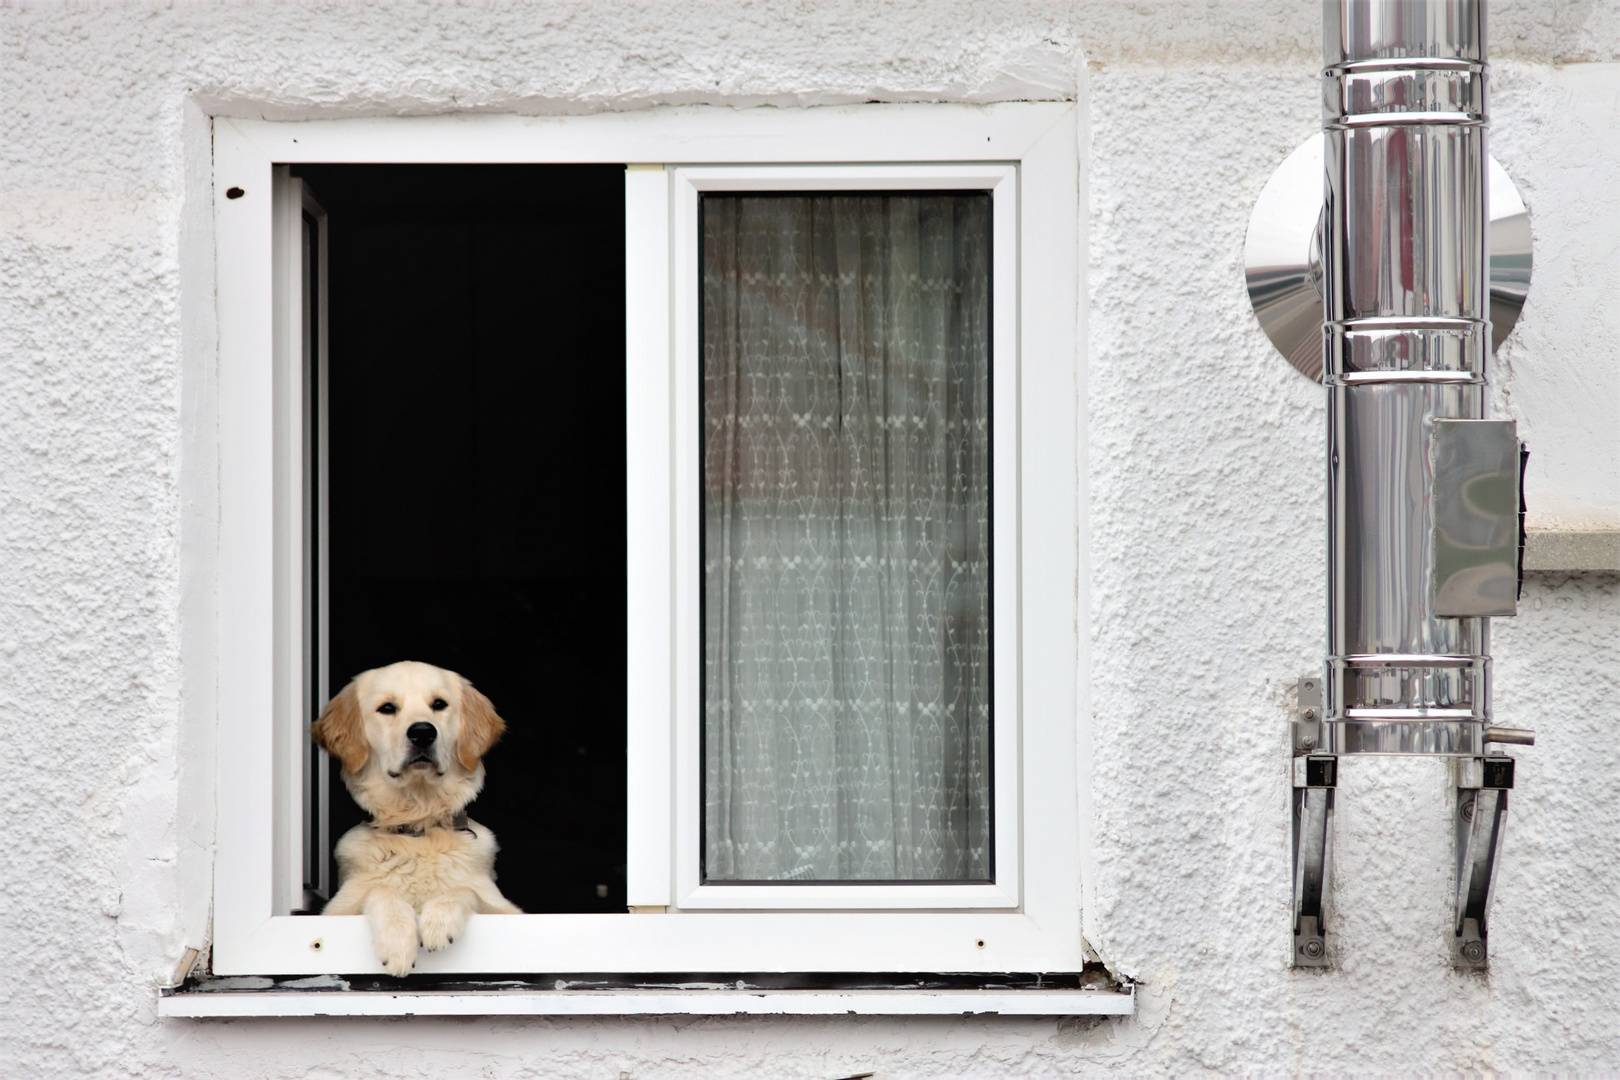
x=475 y=470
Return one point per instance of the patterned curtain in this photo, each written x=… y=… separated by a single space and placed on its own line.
x=846 y=618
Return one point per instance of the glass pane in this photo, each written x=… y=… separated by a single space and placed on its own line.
x=846 y=605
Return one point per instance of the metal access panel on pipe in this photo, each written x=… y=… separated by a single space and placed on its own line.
x=1476 y=517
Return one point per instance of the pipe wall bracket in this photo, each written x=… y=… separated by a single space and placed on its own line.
x=1316 y=777
x=1483 y=784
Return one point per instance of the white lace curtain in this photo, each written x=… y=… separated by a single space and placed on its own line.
x=846 y=537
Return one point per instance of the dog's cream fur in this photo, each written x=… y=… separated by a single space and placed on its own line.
x=414 y=889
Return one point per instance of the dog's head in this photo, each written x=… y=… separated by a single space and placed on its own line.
x=411 y=737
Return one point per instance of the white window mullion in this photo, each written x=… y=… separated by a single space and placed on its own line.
x=649 y=626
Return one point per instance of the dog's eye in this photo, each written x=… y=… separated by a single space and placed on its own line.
x=388 y=708
x=439 y=704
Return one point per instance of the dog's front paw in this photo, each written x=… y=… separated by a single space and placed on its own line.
x=442 y=921
x=396 y=947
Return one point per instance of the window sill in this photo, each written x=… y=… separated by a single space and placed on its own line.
x=329 y=995
x=1572 y=550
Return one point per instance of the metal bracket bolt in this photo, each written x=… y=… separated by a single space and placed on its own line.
x=1307 y=724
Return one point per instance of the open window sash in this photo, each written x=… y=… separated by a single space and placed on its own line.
x=303 y=835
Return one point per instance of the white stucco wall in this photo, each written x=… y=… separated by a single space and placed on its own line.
x=1203 y=472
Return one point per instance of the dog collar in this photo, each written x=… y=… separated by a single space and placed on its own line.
x=458 y=823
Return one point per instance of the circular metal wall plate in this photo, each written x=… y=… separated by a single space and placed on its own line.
x=1282 y=260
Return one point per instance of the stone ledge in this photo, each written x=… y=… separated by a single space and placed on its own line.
x=1571 y=550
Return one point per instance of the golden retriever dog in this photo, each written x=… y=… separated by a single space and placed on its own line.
x=411 y=738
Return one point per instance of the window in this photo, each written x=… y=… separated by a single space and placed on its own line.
x=844 y=586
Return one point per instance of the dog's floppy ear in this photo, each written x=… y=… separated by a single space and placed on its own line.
x=480 y=727
x=341 y=732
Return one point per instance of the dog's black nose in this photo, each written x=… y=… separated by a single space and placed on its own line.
x=422 y=734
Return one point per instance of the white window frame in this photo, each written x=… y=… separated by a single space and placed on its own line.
x=1030 y=919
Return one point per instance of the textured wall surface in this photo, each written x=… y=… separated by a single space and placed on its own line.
x=1203 y=465
x=1561 y=378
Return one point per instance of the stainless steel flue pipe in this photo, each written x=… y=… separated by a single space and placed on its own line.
x=1423 y=491
x=1406 y=339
